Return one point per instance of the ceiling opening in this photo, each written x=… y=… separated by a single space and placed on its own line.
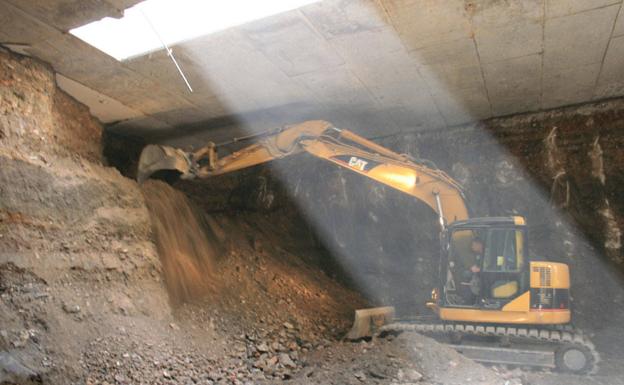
x=151 y=24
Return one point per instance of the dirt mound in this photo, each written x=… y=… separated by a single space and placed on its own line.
x=186 y=246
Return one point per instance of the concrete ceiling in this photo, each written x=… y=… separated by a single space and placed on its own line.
x=373 y=66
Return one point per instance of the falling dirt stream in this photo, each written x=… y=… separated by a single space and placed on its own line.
x=187 y=248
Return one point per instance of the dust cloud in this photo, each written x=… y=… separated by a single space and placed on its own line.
x=187 y=247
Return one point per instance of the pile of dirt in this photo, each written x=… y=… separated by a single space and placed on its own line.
x=76 y=260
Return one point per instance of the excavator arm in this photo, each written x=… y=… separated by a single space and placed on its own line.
x=324 y=141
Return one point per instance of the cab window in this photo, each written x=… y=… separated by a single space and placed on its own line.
x=503 y=251
x=461 y=251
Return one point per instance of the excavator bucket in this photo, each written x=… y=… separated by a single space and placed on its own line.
x=368 y=321
x=155 y=158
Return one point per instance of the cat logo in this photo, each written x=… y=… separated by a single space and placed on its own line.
x=359 y=164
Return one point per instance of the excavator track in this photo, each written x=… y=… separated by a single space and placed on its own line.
x=562 y=348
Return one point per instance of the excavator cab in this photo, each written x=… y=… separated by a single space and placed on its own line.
x=502 y=285
x=483 y=263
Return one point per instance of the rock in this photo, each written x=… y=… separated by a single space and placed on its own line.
x=13 y=372
x=413 y=375
x=285 y=360
x=71 y=309
x=288 y=325
x=262 y=347
x=271 y=361
x=24 y=336
x=39 y=295
x=360 y=376
x=258 y=376
x=377 y=374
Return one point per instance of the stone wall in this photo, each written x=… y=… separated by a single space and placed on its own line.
x=38 y=119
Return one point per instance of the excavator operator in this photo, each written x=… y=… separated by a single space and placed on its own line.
x=471 y=281
x=476 y=246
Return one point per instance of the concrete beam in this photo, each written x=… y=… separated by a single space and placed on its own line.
x=486 y=14
x=392 y=69
x=74 y=58
x=579 y=39
x=514 y=85
x=340 y=18
x=16 y=26
x=137 y=91
x=507 y=29
x=618 y=30
x=289 y=42
x=569 y=86
x=245 y=72
x=446 y=76
x=611 y=80
x=412 y=95
x=362 y=47
x=106 y=109
x=67 y=14
x=557 y=8
x=454 y=52
x=326 y=85
x=462 y=106
x=422 y=24
x=509 y=41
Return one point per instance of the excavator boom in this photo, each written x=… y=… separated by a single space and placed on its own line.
x=322 y=140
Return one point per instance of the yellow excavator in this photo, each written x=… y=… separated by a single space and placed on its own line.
x=495 y=303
